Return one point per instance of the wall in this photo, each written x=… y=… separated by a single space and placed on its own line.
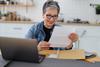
x=70 y=8
x=80 y=9
x=76 y=9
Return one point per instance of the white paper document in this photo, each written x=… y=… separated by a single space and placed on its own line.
x=61 y=33
x=59 y=36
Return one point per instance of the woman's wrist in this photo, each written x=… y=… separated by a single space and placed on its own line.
x=69 y=45
x=68 y=48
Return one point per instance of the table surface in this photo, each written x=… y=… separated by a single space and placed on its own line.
x=51 y=63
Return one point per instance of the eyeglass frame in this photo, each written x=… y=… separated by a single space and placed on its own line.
x=50 y=16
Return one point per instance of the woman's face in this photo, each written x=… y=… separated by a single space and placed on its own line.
x=50 y=17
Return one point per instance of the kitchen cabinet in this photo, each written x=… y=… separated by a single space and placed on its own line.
x=91 y=39
x=14 y=29
x=89 y=36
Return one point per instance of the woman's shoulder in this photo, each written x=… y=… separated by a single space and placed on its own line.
x=37 y=25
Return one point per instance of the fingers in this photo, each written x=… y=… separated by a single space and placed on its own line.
x=43 y=45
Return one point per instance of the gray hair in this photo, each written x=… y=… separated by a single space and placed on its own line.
x=50 y=4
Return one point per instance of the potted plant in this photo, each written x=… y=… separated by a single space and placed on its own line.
x=98 y=9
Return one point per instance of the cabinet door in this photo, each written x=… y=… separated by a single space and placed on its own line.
x=15 y=30
x=1 y=29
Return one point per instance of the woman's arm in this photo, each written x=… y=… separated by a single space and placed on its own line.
x=30 y=34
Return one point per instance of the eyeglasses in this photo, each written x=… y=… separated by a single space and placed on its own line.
x=50 y=16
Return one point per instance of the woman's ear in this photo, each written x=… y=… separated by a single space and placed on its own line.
x=43 y=15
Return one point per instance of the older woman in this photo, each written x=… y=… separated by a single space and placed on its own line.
x=42 y=31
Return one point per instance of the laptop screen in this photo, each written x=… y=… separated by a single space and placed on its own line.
x=19 y=49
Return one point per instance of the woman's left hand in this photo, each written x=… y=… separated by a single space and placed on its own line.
x=73 y=36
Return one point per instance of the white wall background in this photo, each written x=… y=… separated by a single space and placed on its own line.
x=70 y=8
x=80 y=9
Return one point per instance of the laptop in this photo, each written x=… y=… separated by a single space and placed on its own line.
x=17 y=49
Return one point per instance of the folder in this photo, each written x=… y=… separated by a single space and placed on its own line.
x=65 y=54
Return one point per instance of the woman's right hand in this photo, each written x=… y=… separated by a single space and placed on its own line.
x=43 y=45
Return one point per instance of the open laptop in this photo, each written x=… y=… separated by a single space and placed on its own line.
x=17 y=49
